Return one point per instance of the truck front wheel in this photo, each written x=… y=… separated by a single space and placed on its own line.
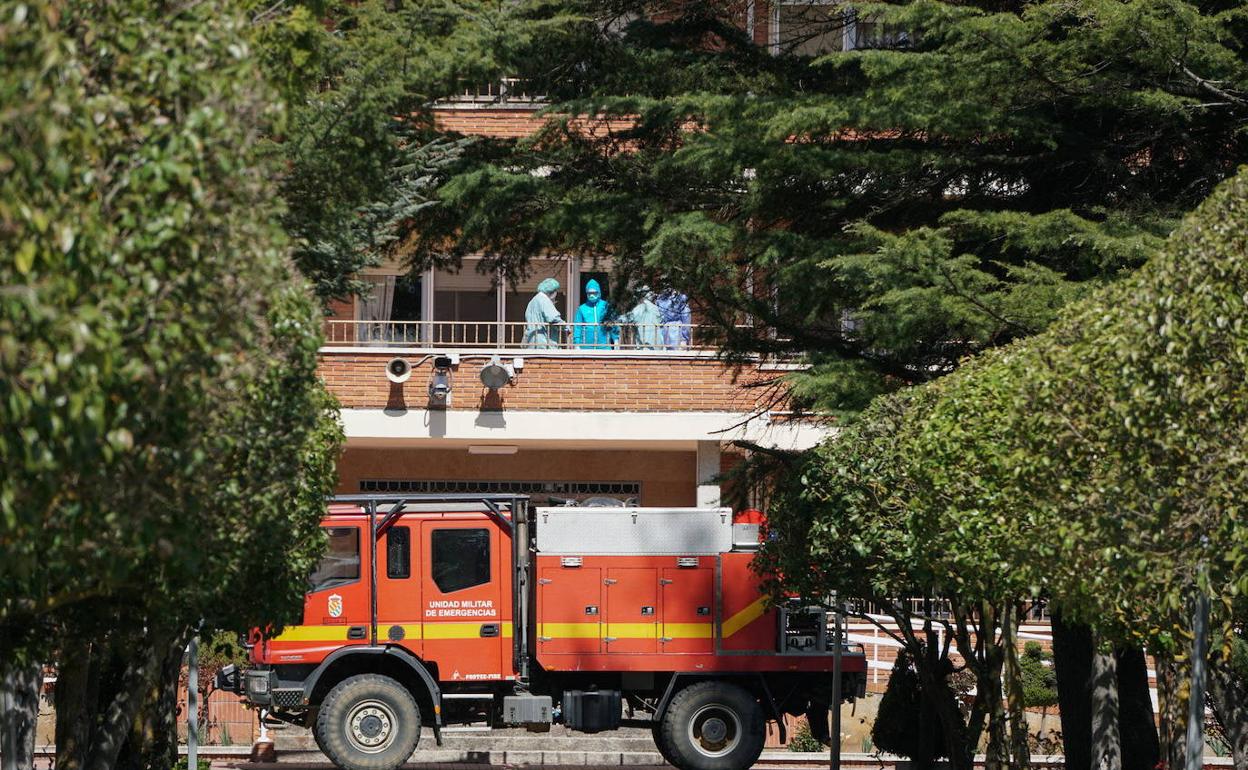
x=713 y=726
x=368 y=722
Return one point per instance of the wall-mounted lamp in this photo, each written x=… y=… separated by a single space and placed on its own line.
x=495 y=375
x=493 y=449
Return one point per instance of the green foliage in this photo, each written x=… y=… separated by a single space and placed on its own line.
x=943 y=196
x=1039 y=678
x=167 y=446
x=1096 y=463
x=803 y=740
x=896 y=727
x=898 y=723
x=359 y=154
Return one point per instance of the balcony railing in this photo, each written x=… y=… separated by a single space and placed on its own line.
x=517 y=335
x=500 y=91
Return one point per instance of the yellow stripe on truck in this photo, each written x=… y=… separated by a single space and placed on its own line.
x=687 y=630
x=740 y=620
x=411 y=631
x=312 y=634
x=472 y=630
x=569 y=630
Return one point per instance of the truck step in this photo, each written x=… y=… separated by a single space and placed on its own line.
x=631 y=740
x=424 y=756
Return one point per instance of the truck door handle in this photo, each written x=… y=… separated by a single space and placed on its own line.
x=489 y=629
x=357 y=632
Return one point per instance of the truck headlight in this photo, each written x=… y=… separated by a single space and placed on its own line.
x=258 y=685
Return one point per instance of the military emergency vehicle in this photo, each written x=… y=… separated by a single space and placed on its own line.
x=433 y=610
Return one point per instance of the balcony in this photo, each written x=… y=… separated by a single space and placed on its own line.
x=582 y=340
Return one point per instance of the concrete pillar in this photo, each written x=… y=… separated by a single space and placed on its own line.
x=708 y=472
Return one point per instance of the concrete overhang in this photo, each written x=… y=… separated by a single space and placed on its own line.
x=415 y=428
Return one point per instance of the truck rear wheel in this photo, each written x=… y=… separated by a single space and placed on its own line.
x=659 y=743
x=713 y=726
x=368 y=722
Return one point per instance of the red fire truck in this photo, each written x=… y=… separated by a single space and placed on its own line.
x=434 y=610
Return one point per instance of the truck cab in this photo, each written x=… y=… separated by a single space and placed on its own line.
x=453 y=609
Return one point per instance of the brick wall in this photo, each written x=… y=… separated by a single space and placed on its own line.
x=515 y=123
x=578 y=384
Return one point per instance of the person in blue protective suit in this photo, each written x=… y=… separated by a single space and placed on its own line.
x=541 y=317
x=676 y=317
x=590 y=328
x=645 y=319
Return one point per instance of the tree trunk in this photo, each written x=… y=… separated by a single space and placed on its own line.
x=1173 y=712
x=1229 y=696
x=133 y=673
x=153 y=741
x=1106 y=738
x=1013 y=676
x=929 y=722
x=997 y=756
x=935 y=681
x=76 y=694
x=1140 y=750
x=1072 y=663
x=19 y=713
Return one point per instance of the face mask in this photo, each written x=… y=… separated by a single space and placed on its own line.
x=592 y=298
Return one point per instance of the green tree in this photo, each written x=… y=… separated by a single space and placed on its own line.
x=883 y=212
x=168 y=447
x=1096 y=464
x=1039 y=679
x=359 y=156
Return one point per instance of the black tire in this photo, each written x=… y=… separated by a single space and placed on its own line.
x=368 y=722
x=656 y=732
x=713 y=726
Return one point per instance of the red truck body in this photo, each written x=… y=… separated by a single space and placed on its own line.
x=481 y=615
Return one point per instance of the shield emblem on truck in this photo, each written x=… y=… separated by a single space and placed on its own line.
x=335 y=605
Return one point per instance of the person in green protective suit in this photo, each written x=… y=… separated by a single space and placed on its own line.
x=541 y=317
x=646 y=320
x=590 y=328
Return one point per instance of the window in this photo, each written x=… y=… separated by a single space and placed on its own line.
x=808 y=27
x=341 y=563
x=460 y=559
x=392 y=305
x=399 y=553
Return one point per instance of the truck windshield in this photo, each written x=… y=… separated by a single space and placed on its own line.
x=341 y=563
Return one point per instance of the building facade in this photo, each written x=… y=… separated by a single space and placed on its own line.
x=648 y=417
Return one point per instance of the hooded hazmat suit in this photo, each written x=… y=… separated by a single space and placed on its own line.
x=674 y=309
x=590 y=330
x=646 y=319
x=540 y=317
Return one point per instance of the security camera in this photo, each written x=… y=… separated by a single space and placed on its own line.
x=398 y=370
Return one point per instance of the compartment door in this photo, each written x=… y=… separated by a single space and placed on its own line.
x=462 y=596
x=632 y=610
x=569 y=606
x=688 y=606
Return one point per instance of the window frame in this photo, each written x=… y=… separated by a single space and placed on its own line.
x=359 y=563
x=848 y=32
x=407 y=553
x=433 y=557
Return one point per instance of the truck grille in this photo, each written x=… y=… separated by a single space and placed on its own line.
x=288 y=698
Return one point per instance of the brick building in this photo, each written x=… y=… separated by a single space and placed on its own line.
x=652 y=424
